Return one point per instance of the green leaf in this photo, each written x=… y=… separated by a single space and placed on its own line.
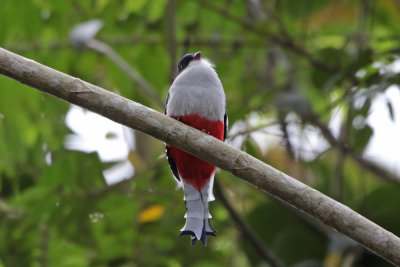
x=330 y=56
x=381 y=206
x=360 y=137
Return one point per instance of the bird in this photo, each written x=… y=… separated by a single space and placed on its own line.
x=196 y=98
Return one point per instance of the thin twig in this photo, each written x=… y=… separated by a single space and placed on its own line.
x=254 y=240
x=379 y=171
x=281 y=39
x=251 y=130
x=286 y=137
x=44 y=235
x=337 y=181
x=171 y=39
x=142 y=84
x=307 y=220
x=149 y=41
x=122 y=185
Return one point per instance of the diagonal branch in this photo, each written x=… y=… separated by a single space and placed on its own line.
x=36 y=45
x=361 y=160
x=103 y=48
x=256 y=242
x=203 y=146
x=171 y=38
x=282 y=39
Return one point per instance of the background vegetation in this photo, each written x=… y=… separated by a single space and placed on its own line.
x=289 y=68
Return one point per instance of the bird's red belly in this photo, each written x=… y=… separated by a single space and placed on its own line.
x=193 y=170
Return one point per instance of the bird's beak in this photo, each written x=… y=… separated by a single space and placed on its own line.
x=197 y=56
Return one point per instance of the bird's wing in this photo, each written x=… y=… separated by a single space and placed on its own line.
x=172 y=165
x=170 y=159
x=166 y=103
x=225 y=124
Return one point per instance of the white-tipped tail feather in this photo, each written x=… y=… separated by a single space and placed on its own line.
x=197 y=214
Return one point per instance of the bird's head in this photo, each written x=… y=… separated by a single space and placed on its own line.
x=186 y=59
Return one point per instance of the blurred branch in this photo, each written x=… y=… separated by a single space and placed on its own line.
x=123 y=185
x=143 y=85
x=171 y=40
x=205 y=147
x=363 y=15
x=352 y=256
x=250 y=130
x=282 y=39
x=286 y=138
x=43 y=244
x=37 y=45
x=120 y=186
x=363 y=162
x=306 y=219
x=254 y=240
x=9 y=212
x=337 y=181
x=129 y=41
x=338 y=244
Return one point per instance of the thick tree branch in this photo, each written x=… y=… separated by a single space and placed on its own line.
x=230 y=159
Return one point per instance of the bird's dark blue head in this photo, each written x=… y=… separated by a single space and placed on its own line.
x=186 y=59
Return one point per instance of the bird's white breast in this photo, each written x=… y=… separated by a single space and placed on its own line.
x=197 y=89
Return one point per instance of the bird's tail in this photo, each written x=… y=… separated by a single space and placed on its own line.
x=197 y=214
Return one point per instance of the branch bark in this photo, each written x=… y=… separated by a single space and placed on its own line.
x=230 y=159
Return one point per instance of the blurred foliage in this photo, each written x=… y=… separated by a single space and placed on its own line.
x=278 y=60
